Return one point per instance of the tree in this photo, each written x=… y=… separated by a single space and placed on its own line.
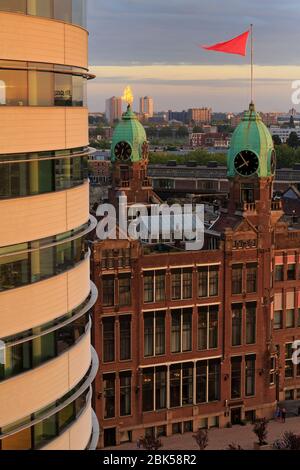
x=289 y=441
x=277 y=140
x=182 y=132
x=261 y=431
x=151 y=443
x=201 y=437
x=293 y=140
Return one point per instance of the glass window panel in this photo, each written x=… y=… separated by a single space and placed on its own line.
x=176 y=285
x=291 y=272
x=79 y=85
x=40 y=89
x=13 y=85
x=40 y=8
x=175 y=379
x=214 y=391
x=160 y=286
x=213 y=281
x=63 y=90
x=250 y=375
x=237 y=279
x=203 y=328
x=251 y=323
x=63 y=10
x=279 y=273
x=45 y=431
x=66 y=416
x=18 y=6
x=237 y=321
x=187 y=384
x=125 y=290
x=109 y=396
x=148 y=287
x=176 y=332
x=236 y=383
x=213 y=327
x=278 y=323
x=108 y=339
x=203 y=282
x=161 y=388
x=160 y=333
x=18 y=441
x=187 y=330
x=125 y=394
x=79 y=12
x=148 y=390
x=108 y=289
x=201 y=386
x=251 y=278
x=125 y=338
x=290 y=318
x=149 y=334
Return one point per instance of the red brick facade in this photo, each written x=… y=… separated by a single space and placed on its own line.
x=209 y=330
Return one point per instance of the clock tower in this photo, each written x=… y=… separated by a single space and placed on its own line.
x=130 y=157
x=251 y=166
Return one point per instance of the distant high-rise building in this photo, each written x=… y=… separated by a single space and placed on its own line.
x=147 y=106
x=113 y=109
x=200 y=115
x=181 y=116
x=47 y=364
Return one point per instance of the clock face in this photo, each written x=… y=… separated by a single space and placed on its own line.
x=145 y=150
x=273 y=162
x=246 y=163
x=123 y=151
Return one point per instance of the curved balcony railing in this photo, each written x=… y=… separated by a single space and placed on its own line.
x=39 y=429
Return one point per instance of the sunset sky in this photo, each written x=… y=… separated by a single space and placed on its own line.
x=153 y=45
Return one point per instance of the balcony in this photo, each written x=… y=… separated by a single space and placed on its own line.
x=147 y=183
x=123 y=184
x=276 y=205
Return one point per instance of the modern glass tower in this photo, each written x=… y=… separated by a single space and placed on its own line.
x=47 y=363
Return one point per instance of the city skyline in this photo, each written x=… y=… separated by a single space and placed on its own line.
x=175 y=71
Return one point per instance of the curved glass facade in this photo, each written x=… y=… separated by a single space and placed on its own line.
x=36 y=261
x=70 y=11
x=37 y=84
x=42 y=433
x=21 y=179
x=26 y=356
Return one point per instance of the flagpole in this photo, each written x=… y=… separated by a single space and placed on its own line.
x=252 y=67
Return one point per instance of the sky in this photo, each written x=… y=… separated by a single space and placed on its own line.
x=153 y=45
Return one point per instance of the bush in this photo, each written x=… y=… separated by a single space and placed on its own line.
x=261 y=431
x=201 y=438
x=151 y=443
x=289 y=441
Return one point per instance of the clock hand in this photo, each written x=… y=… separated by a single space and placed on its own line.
x=241 y=166
x=245 y=162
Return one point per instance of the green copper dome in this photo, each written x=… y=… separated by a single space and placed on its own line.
x=131 y=131
x=252 y=135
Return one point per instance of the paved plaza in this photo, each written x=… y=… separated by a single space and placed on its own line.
x=219 y=439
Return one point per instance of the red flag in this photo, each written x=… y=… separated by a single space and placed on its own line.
x=236 y=45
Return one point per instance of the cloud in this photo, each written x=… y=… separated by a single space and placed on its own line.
x=144 y=31
x=153 y=45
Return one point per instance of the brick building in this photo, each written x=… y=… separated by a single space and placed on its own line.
x=209 y=139
x=190 y=339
